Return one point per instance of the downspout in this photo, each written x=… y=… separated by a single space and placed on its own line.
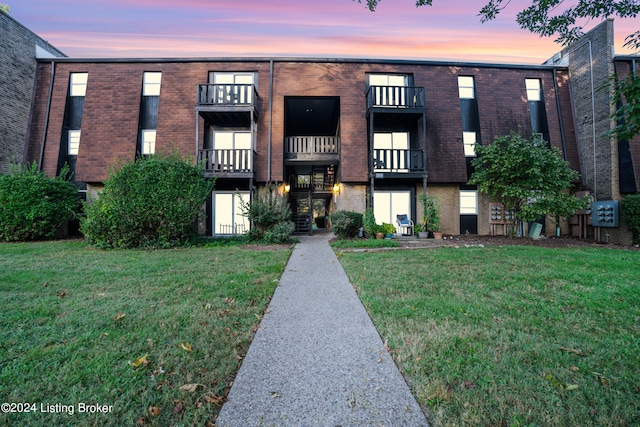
x=562 y=136
x=27 y=136
x=269 y=142
x=593 y=122
x=46 y=117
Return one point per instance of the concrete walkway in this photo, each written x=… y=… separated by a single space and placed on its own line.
x=317 y=359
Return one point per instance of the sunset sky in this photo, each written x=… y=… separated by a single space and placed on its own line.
x=449 y=30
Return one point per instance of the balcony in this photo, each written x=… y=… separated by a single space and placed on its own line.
x=312 y=148
x=403 y=162
x=227 y=104
x=395 y=98
x=237 y=163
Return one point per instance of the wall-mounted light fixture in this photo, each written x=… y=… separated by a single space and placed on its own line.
x=336 y=188
x=287 y=188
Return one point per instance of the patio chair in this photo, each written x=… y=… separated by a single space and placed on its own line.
x=405 y=225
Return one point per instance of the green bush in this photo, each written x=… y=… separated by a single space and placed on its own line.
x=33 y=205
x=346 y=224
x=153 y=202
x=631 y=212
x=270 y=215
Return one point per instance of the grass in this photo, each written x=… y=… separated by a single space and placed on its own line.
x=157 y=335
x=364 y=243
x=510 y=336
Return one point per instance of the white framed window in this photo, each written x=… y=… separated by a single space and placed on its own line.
x=74 y=142
x=466 y=87
x=227 y=212
x=468 y=202
x=231 y=140
x=534 y=91
x=148 y=141
x=151 y=83
x=388 y=204
x=469 y=139
x=78 y=84
x=386 y=159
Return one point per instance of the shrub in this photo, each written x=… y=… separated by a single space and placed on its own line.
x=346 y=224
x=631 y=212
x=33 y=205
x=152 y=202
x=270 y=215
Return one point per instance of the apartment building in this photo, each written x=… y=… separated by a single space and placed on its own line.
x=18 y=53
x=333 y=134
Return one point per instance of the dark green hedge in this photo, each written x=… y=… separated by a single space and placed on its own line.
x=154 y=202
x=33 y=205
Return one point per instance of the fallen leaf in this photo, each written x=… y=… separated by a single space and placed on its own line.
x=554 y=381
x=574 y=368
x=603 y=380
x=142 y=360
x=419 y=358
x=213 y=399
x=61 y=294
x=571 y=387
x=470 y=384
x=142 y=421
x=191 y=387
x=178 y=408
x=275 y=395
x=208 y=424
x=186 y=346
x=154 y=410
x=119 y=316
x=573 y=350
x=229 y=300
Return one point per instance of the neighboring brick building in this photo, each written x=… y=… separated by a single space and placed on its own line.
x=332 y=133
x=18 y=52
x=609 y=168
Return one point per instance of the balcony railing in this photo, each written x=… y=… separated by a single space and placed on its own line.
x=394 y=160
x=312 y=145
x=226 y=95
x=237 y=161
x=395 y=97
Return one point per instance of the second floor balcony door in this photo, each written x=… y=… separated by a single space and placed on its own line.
x=391 y=151
x=233 y=149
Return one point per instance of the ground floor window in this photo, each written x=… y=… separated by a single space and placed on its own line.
x=227 y=212
x=388 y=204
x=468 y=212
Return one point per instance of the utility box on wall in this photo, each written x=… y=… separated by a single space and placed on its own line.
x=604 y=213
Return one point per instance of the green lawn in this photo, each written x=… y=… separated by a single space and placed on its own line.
x=510 y=336
x=156 y=335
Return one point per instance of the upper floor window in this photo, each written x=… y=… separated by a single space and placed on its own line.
x=151 y=83
x=389 y=90
x=466 y=87
x=74 y=142
x=534 y=92
x=78 y=84
x=469 y=140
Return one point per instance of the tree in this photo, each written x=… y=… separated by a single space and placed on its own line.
x=626 y=98
x=526 y=176
x=546 y=18
x=4 y=8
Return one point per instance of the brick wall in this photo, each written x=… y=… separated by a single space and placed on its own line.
x=17 y=71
